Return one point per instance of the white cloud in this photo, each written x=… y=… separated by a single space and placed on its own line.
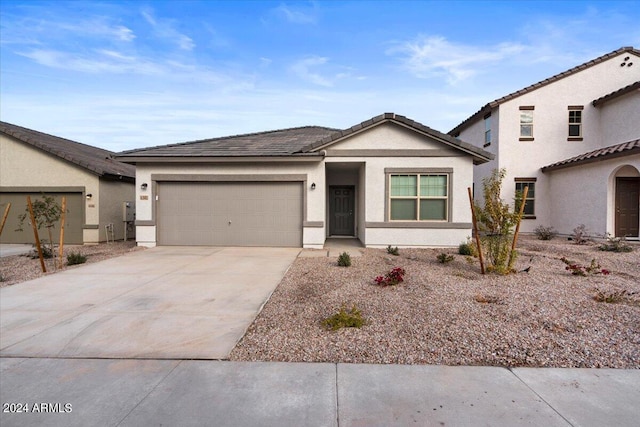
x=164 y=28
x=435 y=56
x=297 y=15
x=303 y=70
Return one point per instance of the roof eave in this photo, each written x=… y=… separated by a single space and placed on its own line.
x=298 y=157
x=595 y=159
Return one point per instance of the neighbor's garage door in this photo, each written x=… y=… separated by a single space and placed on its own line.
x=73 y=219
x=230 y=214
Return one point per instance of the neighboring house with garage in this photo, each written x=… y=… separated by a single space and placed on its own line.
x=386 y=181
x=574 y=140
x=94 y=184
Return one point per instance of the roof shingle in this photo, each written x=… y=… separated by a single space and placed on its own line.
x=625 y=149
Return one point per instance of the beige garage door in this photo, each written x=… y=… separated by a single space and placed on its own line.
x=73 y=220
x=230 y=214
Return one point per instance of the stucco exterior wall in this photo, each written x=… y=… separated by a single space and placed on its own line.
x=112 y=194
x=617 y=115
x=585 y=194
x=387 y=136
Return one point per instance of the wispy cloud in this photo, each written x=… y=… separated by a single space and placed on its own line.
x=435 y=56
x=165 y=28
x=303 y=69
x=299 y=14
x=100 y=61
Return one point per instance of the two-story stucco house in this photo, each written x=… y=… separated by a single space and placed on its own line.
x=386 y=181
x=574 y=140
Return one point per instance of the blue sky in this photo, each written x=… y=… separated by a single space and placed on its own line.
x=128 y=74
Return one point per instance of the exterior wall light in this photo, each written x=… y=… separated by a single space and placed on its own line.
x=144 y=186
x=313 y=185
x=89 y=196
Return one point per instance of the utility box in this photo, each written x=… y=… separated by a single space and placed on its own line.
x=128 y=211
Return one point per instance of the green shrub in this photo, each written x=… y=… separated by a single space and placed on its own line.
x=344 y=260
x=615 y=244
x=393 y=251
x=444 y=258
x=545 y=233
x=467 y=248
x=75 y=258
x=344 y=319
x=47 y=253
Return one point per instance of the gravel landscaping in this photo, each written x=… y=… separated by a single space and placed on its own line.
x=20 y=268
x=451 y=314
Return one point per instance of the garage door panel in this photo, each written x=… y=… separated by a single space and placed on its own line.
x=230 y=214
x=74 y=218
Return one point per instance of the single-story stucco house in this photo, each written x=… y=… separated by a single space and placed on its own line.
x=95 y=185
x=386 y=181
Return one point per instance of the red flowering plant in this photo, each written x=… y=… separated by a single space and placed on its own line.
x=392 y=278
x=582 y=270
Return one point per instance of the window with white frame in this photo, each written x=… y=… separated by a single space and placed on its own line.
x=419 y=197
x=575 y=122
x=526 y=123
x=530 y=202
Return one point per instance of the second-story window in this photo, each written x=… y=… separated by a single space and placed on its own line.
x=575 y=123
x=526 y=123
x=487 y=130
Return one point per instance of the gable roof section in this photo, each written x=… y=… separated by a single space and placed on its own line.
x=619 y=150
x=94 y=159
x=616 y=94
x=284 y=142
x=479 y=155
x=491 y=105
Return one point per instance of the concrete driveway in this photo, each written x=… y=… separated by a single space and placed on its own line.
x=160 y=303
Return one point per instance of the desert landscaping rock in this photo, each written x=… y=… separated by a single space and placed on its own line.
x=542 y=318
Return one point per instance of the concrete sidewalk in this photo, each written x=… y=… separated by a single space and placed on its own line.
x=110 y=392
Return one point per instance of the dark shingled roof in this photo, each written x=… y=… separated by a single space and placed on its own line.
x=617 y=93
x=488 y=107
x=93 y=159
x=607 y=153
x=284 y=142
x=302 y=141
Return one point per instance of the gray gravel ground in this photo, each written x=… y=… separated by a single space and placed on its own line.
x=546 y=317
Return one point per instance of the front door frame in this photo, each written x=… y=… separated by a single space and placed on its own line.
x=617 y=204
x=332 y=221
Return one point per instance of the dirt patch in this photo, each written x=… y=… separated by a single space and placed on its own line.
x=451 y=314
x=20 y=268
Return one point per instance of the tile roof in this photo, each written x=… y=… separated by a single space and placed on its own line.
x=488 y=107
x=283 y=142
x=617 y=93
x=93 y=159
x=619 y=150
x=301 y=141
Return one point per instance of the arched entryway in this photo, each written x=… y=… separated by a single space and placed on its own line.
x=627 y=202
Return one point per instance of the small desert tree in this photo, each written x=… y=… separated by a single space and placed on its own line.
x=46 y=213
x=496 y=221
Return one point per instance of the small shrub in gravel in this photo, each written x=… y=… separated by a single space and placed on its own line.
x=612 y=297
x=580 y=235
x=615 y=244
x=444 y=258
x=47 y=253
x=467 y=248
x=393 y=251
x=75 y=258
x=344 y=260
x=581 y=270
x=545 y=233
x=344 y=319
x=392 y=278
